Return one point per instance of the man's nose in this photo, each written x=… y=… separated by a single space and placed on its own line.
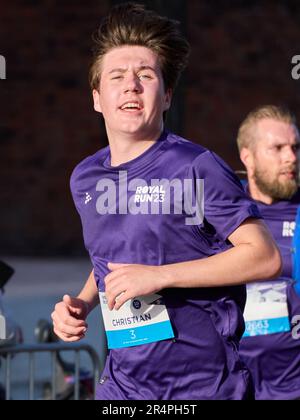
x=132 y=84
x=291 y=155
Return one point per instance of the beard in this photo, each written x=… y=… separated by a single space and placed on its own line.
x=273 y=187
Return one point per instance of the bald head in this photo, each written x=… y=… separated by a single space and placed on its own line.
x=247 y=134
x=271 y=159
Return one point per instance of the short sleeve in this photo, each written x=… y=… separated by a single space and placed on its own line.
x=226 y=204
x=74 y=190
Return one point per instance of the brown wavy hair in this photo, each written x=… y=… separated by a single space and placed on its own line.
x=132 y=24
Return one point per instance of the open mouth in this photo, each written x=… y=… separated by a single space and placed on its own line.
x=289 y=174
x=131 y=106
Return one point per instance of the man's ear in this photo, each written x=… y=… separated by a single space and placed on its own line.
x=96 y=97
x=247 y=158
x=168 y=99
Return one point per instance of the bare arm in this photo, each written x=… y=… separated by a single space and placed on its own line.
x=254 y=256
x=90 y=294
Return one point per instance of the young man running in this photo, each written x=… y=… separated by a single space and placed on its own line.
x=170 y=232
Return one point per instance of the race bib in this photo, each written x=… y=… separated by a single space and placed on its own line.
x=139 y=321
x=266 y=310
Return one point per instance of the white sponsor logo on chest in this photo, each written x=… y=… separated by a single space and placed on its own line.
x=154 y=194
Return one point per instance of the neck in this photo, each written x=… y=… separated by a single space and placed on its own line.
x=124 y=148
x=257 y=195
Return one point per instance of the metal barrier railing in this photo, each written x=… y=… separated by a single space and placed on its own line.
x=6 y=354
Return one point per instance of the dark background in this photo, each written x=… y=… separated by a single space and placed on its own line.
x=241 y=58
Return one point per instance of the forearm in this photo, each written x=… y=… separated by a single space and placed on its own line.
x=239 y=265
x=89 y=293
x=254 y=256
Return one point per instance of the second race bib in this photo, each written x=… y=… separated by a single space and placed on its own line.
x=266 y=310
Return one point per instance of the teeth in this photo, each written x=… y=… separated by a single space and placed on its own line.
x=131 y=105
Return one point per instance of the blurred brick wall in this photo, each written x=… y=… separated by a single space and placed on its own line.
x=47 y=123
x=241 y=58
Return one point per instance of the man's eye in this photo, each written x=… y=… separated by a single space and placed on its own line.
x=296 y=147
x=116 y=77
x=144 y=76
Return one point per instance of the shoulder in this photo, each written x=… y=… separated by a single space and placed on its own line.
x=86 y=166
x=196 y=153
x=283 y=210
x=186 y=149
x=200 y=161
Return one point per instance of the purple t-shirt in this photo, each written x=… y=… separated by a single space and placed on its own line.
x=274 y=360
x=202 y=362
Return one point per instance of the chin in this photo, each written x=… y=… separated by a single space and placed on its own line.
x=132 y=130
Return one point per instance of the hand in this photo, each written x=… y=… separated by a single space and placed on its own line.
x=69 y=319
x=127 y=281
